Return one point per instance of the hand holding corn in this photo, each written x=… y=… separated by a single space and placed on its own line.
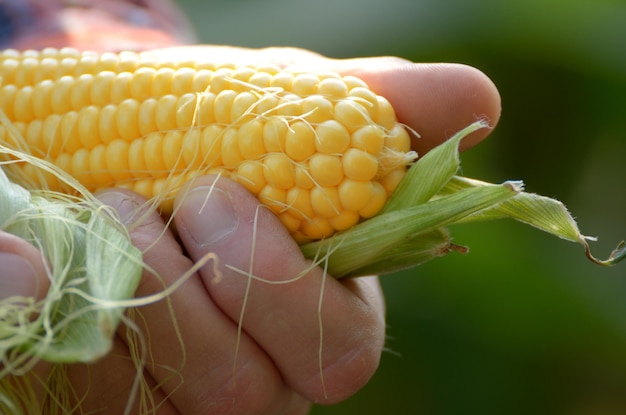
x=280 y=360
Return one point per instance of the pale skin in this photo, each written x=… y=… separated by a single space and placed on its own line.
x=277 y=366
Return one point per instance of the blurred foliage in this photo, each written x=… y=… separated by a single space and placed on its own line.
x=524 y=323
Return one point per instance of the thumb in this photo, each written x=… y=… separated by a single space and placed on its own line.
x=22 y=271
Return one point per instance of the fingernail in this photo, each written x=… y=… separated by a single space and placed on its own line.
x=208 y=215
x=17 y=276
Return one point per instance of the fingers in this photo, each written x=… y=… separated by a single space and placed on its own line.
x=199 y=348
x=281 y=312
x=22 y=272
x=436 y=100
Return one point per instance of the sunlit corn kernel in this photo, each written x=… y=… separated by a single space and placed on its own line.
x=345 y=220
x=250 y=140
x=273 y=198
x=332 y=87
x=127 y=119
x=370 y=138
x=300 y=141
x=165 y=112
x=274 y=133
x=205 y=112
x=162 y=82
x=147 y=116
x=250 y=175
x=201 y=80
x=98 y=166
x=136 y=159
x=22 y=104
x=354 y=194
x=325 y=201
x=376 y=202
x=317 y=228
x=182 y=82
x=172 y=149
x=290 y=105
x=317 y=109
x=305 y=84
x=222 y=106
x=278 y=171
x=79 y=95
x=386 y=116
x=69 y=132
x=326 y=169
x=186 y=111
x=398 y=139
x=242 y=107
x=359 y=165
x=141 y=84
x=391 y=179
x=299 y=203
x=302 y=176
x=107 y=124
x=231 y=156
x=282 y=80
x=291 y=223
x=116 y=155
x=51 y=135
x=331 y=137
x=41 y=96
x=120 y=87
x=351 y=114
x=211 y=145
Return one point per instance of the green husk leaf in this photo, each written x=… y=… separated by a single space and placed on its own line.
x=379 y=242
x=93 y=268
x=541 y=212
x=430 y=172
x=410 y=229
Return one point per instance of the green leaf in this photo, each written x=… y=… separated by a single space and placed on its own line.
x=371 y=244
x=430 y=172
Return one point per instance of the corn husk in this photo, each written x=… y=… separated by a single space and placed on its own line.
x=93 y=269
x=413 y=226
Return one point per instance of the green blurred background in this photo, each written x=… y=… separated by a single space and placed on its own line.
x=524 y=324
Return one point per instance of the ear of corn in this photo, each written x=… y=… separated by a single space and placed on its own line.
x=322 y=151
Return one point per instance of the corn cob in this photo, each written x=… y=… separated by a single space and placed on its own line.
x=321 y=150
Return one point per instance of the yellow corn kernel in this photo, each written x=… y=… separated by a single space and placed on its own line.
x=231 y=156
x=331 y=137
x=300 y=141
x=345 y=220
x=322 y=151
x=273 y=198
x=278 y=171
x=370 y=138
x=317 y=109
x=127 y=119
x=274 y=133
x=354 y=194
x=332 y=88
x=326 y=169
x=398 y=139
x=250 y=140
x=376 y=202
x=116 y=155
x=250 y=175
x=299 y=202
x=325 y=201
x=359 y=165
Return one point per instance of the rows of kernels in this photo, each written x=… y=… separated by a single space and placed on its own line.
x=319 y=150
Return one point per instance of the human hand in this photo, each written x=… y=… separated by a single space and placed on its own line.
x=274 y=366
